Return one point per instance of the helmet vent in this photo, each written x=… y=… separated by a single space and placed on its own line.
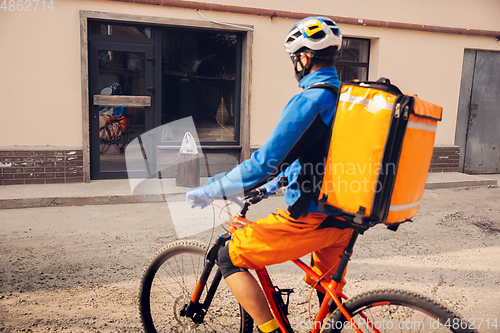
x=319 y=35
x=335 y=31
x=293 y=37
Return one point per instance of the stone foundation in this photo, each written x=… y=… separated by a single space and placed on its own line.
x=40 y=166
x=445 y=159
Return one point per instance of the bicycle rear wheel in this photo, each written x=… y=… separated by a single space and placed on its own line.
x=390 y=310
x=121 y=144
x=168 y=284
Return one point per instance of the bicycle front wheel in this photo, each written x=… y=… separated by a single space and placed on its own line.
x=168 y=284
x=103 y=141
x=390 y=310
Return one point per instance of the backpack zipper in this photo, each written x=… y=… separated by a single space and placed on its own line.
x=397 y=110
x=405 y=112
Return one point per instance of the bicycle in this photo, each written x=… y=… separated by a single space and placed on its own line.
x=110 y=134
x=180 y=274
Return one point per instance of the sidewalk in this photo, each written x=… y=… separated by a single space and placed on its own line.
x=100 y=192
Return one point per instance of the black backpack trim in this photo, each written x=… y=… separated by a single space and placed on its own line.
x=325 y=85
x=299 y=208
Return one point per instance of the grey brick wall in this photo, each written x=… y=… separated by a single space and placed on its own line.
x=445 y=159
x=40 y=166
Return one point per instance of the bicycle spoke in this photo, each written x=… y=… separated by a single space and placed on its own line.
x=372 y=320
x=181 y=284
x=209 y=324
x=424 y=323
x=172 y=277
x=399 y=319
x=181 y=270
x=165 y=288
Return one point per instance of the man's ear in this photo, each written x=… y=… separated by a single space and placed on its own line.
x=305 y=59
x=308 y=63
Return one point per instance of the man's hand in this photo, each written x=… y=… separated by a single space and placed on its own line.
x=271 y=187
x=196 y=198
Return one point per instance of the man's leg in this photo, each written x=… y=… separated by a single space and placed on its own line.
x=123 y=127
x=247 y=291
x=268 y=241
x=251 y=297
x=123 y=141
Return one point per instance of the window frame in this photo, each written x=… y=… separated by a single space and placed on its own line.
x=244 y=85
x=238 y=86
x=345 y=65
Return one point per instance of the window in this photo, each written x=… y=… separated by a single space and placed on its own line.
x=98 y=28
x=200 y=78
x=352 y=60
x=184 y=68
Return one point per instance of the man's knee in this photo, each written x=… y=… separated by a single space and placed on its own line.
x=226 y=266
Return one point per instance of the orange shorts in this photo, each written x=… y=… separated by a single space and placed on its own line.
x=279 y=238
x=122 y=123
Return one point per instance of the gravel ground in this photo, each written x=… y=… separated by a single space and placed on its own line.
x=78 y=269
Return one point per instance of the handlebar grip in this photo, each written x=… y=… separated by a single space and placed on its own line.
x=258 y=191
x=192 y=199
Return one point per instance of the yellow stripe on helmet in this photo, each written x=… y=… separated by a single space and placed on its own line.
x=310 y=27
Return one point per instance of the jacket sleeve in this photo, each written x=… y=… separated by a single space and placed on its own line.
x=274 y=155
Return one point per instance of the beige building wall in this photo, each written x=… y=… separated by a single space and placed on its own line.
x=40 y=59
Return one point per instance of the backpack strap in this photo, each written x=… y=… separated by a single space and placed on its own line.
x=299 y=208
x=324 y=85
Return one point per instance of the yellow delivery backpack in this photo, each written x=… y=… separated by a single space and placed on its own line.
x=380 y=151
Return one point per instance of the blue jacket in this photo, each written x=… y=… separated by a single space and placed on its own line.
x=120 y=111
x=301 y=131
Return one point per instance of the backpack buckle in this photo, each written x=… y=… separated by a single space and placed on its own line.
x=358 y=218
x=322 y=203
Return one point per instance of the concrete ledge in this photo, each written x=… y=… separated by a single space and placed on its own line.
x=104 y=192
x=456 y=179
x=80 y=201
x=64 y=201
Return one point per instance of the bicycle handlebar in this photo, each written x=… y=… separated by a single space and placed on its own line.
x=283 y=182
x=194 y=200
x=249 y=198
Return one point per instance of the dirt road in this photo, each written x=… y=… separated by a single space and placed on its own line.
x=77 y=269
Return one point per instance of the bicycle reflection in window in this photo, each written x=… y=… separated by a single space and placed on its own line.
x=113 y=122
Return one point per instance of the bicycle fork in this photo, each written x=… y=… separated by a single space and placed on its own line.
x=333 y=291
x=196 y=310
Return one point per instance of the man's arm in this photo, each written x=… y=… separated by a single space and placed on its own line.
x=299 y=121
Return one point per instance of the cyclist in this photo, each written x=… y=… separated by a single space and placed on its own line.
x=119 y=115
x=296 y=149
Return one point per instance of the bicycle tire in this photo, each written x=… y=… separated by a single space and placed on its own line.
x=118 y=142
x=168 y=283
x=103 y=143
x=391 y=310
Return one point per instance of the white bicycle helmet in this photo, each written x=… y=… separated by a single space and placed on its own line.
x=315 y=33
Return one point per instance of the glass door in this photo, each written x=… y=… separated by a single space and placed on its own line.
x=121 y=105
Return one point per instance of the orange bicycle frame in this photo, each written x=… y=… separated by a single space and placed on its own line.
x=196 y=309
x=333 y=292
